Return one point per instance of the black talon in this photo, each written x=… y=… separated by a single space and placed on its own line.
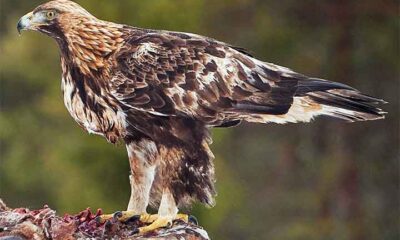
x=135 y=218
x=108 y=225
x=98 y=220
x=117 y=215
x=135 y=231
x=192 y=219
x=108 y=228
x=169 y=225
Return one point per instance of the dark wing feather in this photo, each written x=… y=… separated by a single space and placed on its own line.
x=173 y=74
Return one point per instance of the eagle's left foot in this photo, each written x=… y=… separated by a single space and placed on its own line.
x=147 y=218
x=160 y=222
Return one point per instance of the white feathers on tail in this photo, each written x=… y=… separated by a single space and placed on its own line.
x=305 y=109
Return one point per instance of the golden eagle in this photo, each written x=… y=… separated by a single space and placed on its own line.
x=161 y=92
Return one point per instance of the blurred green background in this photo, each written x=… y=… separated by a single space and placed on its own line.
x=325 y=180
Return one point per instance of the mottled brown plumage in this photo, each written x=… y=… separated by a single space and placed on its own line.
x=160 y=92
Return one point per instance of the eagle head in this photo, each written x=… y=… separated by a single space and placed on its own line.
x=84 y=40
x=54 y=17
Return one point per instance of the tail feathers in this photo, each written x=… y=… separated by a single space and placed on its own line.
x=316 y=97
x=341 y=101
x=315 y=85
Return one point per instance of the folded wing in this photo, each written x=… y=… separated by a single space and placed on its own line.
x=178 y=74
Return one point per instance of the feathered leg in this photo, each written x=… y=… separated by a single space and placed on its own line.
x=142 y=158
x=143 y=161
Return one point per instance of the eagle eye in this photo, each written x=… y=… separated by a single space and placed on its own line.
x=51 y=15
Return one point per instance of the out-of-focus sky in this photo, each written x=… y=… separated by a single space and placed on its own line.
x=323 y=180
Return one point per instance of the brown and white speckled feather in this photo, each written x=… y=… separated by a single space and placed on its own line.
x=178 y=74
x=161 y=91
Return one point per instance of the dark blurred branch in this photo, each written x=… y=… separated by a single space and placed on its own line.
x=21 y=224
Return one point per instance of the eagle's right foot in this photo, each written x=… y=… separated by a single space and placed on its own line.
x=148 y=218
x=156 y=222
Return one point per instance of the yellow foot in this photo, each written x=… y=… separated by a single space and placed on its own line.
x=124 y=216
x=154 y=220
x=161 y=222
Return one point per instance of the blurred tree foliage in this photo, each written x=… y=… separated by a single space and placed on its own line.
x=326 y=180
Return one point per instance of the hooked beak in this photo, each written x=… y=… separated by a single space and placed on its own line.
x=27 y=22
